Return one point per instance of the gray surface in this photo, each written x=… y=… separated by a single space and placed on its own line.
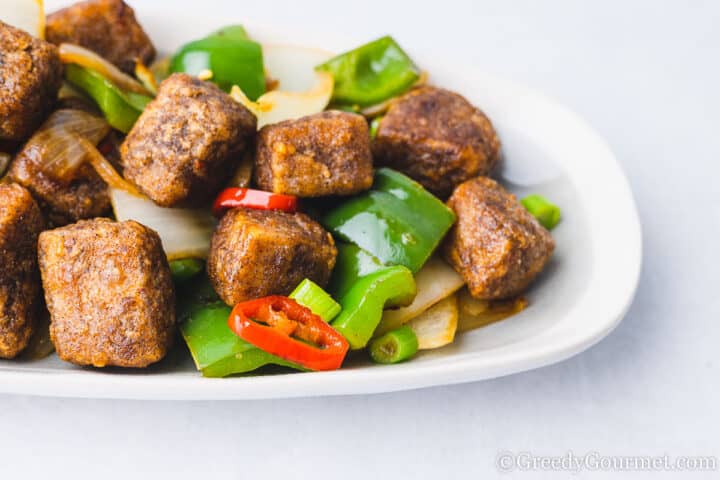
x=645 y=74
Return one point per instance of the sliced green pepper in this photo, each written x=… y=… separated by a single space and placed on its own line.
x=185 y=269
x=397 y=221
x=364 y=288
x=230 y=55
x=216 y=350
x=121 y=109
x=371 y=73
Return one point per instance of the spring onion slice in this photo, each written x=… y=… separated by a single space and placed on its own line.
x=395 y=346
x=312 y=296
x=547 y=213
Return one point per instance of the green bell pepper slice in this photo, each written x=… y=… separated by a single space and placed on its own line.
x=184 y=269
x=230 y=55
x=364 y=288
x=371 y=73
x=216 y=350
x=397 y=220
x=121 y=109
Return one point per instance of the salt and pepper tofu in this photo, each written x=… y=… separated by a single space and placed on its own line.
x=109 y=292
x=187 y=143
x=20 y=294
x=323 y=154
x=30 y=77
x=107 y=27
x=255 y=253
x=438 y=138
x=497 y=246
x=86 y=196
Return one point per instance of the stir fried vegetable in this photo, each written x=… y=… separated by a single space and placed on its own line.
x=435 y=281
x=184 y=232
x=397 y=221
x=57 y=146
x=185 y=269
x=371 y=73
x=216 y=350
x=290 y=331
x=230 y=57
x=364 y=288
x=121 y=109
x=547 y=213
x=310 y=294
x=256 y=199
x=395 y=346
x=436 y=326
x=300 y=90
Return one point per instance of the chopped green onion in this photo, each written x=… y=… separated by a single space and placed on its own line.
x=310 y=295
x=548 y=214
x=374 y=125
x=395 y=346
x=186 y=268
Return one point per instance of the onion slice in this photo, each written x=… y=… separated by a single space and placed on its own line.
x=435 y=281
x=55 y=147
x=436 y=326
x=28 y=15
x=146 y=77
x=71 y=53
x=105 y=170
x=300 y=91
x=184 y=233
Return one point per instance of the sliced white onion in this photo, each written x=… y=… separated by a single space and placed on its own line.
x=301 y=91
x=436 y=326
x=474 y=313
x=435 y=281
x=55 y=147
x=146 y=77
x=70 y=53
x=28 y=15
x=184 y=233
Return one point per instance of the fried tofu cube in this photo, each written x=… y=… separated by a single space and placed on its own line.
x=255 y=253
x=30 y=77
x=497 y=246
x=20 y=294
x=107 y=27
x=109 y=291
x=187 y=143
x=323 y=154
x=438 y=138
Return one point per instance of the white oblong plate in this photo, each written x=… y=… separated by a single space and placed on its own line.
x=581 y=297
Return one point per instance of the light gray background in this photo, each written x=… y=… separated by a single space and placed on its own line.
x=645 y=74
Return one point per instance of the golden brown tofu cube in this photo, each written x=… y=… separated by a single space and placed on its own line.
x=255 y=253
x=323 y=154
x=107 y=27
x=438 y=138
x=20 y=294
x=187 y=143
x=109 y=291
x=30 y=77
x=496 y=245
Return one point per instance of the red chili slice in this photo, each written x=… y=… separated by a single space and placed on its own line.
x=290 y=331
x=250 y=198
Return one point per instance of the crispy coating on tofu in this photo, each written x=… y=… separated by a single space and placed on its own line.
x=30 y=77
x=107 y=27
x=438 y=138
x=20 y=294
x=255 y=253
x=86 y=196
x=187 y=143
x=323 y=154
x=496 y=245
x=109 y=292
